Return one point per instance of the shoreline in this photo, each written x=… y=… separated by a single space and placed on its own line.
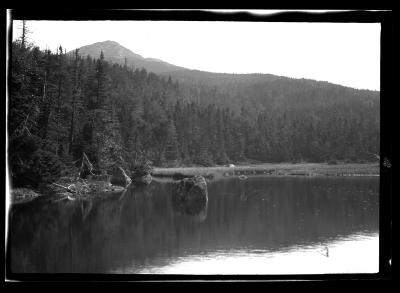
x=92 y=189
x=278 y=169
x=21 y=195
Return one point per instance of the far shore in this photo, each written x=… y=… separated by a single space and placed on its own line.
x=20 y=195
x=278 y=169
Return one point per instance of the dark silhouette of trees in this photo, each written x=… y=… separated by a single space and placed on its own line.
x=62 y=105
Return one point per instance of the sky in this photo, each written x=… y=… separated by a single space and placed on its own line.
x=340 y=53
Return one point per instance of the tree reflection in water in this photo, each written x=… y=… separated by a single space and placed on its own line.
x=144 y=226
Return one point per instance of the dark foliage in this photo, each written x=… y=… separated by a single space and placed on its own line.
x=63 y=105
x=141 y=169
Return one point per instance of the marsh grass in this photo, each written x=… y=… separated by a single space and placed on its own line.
x=282 y=169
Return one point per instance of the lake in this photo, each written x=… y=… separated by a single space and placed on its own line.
x=261 y=225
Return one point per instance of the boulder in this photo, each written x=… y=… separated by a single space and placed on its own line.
x=119 y=177
x=189 y=198
x=191 y=189
x=86 y=168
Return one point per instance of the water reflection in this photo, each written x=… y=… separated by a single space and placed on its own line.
x=196 y=211
x=143 y=230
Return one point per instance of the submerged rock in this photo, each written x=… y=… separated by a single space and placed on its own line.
x=119 y=177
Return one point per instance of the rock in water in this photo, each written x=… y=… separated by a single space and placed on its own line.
x=191 y=189
x=119 y=177
x=189 y=198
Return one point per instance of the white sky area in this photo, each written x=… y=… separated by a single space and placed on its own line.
x=341 y=53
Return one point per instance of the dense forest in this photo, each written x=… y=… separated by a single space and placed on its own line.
x=63 y=105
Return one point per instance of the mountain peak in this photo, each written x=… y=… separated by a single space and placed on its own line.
x=112 y=42
x=111 y=50
x=116 y=53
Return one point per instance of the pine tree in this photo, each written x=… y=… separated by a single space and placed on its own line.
x=75 y=95
x=171 y=152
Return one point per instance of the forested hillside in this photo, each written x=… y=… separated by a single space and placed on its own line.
x=61 y=105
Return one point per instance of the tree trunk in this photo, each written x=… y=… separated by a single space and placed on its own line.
x=74 y=93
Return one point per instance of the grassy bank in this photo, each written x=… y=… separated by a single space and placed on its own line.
x=281 y=169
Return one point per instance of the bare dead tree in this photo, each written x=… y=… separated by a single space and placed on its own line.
x=25 y=32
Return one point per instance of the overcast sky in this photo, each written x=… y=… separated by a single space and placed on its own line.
x=341 y=53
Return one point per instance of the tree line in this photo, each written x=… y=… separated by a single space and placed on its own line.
x=63 y=105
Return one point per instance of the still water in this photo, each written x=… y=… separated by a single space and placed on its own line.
x=262 y=225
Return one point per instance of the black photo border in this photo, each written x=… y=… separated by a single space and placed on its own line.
x=384 y=17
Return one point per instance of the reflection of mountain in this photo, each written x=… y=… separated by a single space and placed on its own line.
x=134 y=230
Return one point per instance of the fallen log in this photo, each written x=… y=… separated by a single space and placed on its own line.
x=66 y=188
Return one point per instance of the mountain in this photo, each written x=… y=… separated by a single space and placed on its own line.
x=255 y=92
x=115 y=53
